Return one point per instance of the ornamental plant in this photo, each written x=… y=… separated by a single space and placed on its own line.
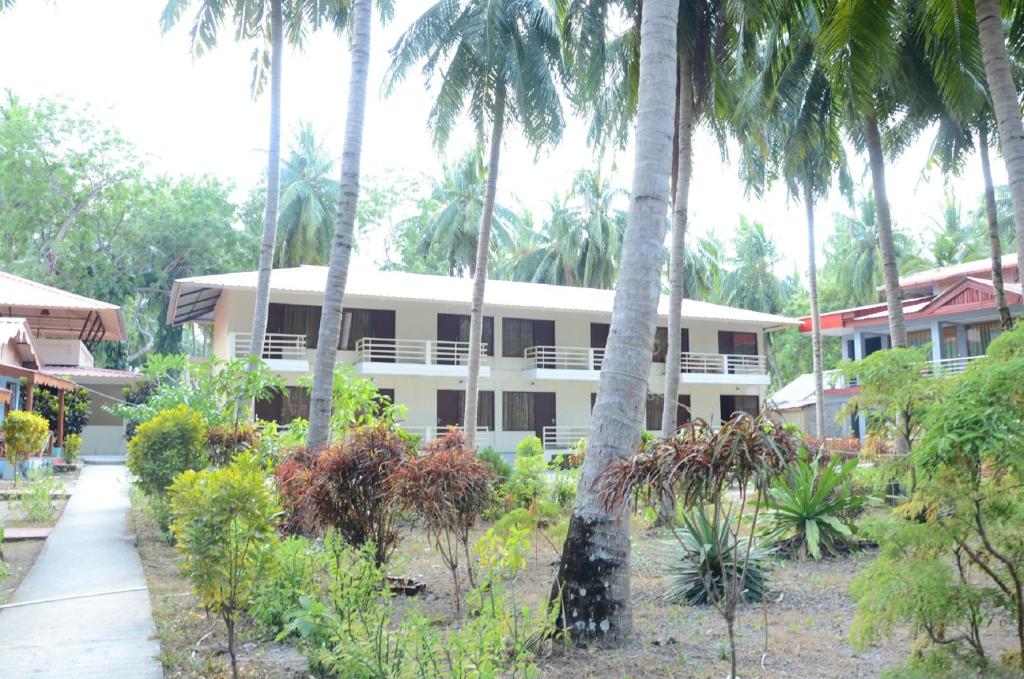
x=224 y=527
x=25 y=434
x=46 y=402
x=448 y=488
x=172 y=442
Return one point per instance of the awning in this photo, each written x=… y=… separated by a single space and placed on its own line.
x=37 y=377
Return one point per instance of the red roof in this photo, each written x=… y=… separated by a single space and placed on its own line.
x=945 y=273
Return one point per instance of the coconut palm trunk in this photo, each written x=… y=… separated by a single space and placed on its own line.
x=676 y=273
x=341 y=248
x=592 y=586
x=890 y=270
x=483 y=248
x=269 y=240
x=1005 y=103
x=995 y=247
x=812 y=282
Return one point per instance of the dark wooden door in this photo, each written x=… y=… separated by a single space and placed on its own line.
x=543 y=411
x=599 y=335
x=449 y=412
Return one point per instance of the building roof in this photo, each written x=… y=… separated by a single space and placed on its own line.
x=943 y=273
x=800 y=391
x=89 y=374
x=16 y=330
x=37 y=377
x=194 y=299
x=52 y=312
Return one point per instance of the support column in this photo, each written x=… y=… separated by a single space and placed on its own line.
x=60 y=420
x=30 y=400
x=936 y=341
x=858 y=346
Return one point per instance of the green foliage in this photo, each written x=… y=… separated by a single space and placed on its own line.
x=706 y=551
x=530 y=446
x=356 y=402
x=811 y=504
x=46 y=402
x=495 y=462
x=224 y=442
x=172 y=442
x=36 y=501
x=224 y=527
x=72 y=446
x=25 y=434
x=528 y=480
x=292 y=572
x=562 y=489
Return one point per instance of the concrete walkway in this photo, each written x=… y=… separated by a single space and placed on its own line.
x=89 y=551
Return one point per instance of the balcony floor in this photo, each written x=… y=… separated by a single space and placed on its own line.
x=425 y=369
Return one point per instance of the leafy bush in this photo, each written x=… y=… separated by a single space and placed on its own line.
x=810 y=505
x=226 y=441
x=356 y=402
x=172 y=442
x=495 y=462
x=25 y=435
x=352 y=492
x=530 y=446
x=223 y=524
x=295 y=477
x=705 y=552
x=46 y=402
x=36 y=501
x=72 y=446
x=528 y=480
x=293 y=572
x=448 y=488
x=562 y=489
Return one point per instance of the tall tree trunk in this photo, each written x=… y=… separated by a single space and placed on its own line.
x=483 y=249
x=890 y=271
x=266 y=263
x=676 y=274
x=812 y=282
x=345 y=219
x=592 y=586
x=995 y=247
x=1005 y=103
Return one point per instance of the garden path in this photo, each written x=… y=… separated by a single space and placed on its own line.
x=74 y=630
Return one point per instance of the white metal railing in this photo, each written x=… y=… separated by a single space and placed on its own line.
x=557 y=438
x=423 y=352
x=483 y=434
x=950 y=366
x=275 y=345
x=727 y=364
x=563 y=358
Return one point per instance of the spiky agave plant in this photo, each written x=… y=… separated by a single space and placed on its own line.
x=810 y=504
x=707 y=551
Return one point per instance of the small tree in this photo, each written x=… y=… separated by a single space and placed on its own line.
x=223 y=524
x=46 y=402
x=696 y=468
x=25 y=435
x=448 y=488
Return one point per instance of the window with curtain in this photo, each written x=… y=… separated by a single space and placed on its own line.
x=655 y=405
x=359 y=323
x=519 y=333
x=661 y=343
x=948 y=341
x=980 y=335
x=916 y=338
x=517 y=411
x=295 y=319
x=455 y=328
x=736 y=403
x=451 y=407
x=284 y=406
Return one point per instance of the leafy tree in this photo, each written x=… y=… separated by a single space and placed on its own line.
x=46 y=402
x=751 y=282
x=24 y=434
x=954 y=241
x=307 y=202
x=224 y=528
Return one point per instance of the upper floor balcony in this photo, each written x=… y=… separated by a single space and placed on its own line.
x=584 y=363
x=281 y=351
x=387 y=356
x=942 y=367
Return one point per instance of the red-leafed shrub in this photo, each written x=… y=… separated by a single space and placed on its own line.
x=224 y=442
x=448 y=488
x=295 y=477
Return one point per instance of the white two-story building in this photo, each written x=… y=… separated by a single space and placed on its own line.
x=543 y=353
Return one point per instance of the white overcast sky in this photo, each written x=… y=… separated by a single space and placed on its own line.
x=195 y=116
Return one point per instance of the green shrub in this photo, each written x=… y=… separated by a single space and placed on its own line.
x=72 y=447
x=531 y=446
x=495 y=462
x=223 y=524
x=705 y=553
x=225 y=441
x=809 y=507
x=25 y=435
x=562 y=489
x=46 y=402
x=528 y=480
x=292 y=573
x=36 y=501
x=172 y=442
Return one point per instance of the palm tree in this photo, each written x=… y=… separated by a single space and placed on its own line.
x=252 y=18
x=751 y=282
x=954 y=241
x=501 y=56
x=306 y=223
x=592 y=586
x=1005 y=102
x=341 y=245
x=449 y=219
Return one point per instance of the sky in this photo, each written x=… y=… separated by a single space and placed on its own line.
x=193 y=116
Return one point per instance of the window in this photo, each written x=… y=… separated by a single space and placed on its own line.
x=735 y=403
x=655 y=405
x=451 y=407
x=742 y=343
x=304 y=319
x=295 y=319
x=916 y=338
x=948 y=341
x=284 y=406
x=519 y=333
x=359 y=323
x=661 y=343
x=980 y=335
x=455 y=328
x=527 y=411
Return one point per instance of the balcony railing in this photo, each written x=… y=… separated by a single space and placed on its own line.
x=722 y=364
x=275 y=345
x=950 y=366
x=559 y=439
x=483 y=434
x=563 y=358
x=421 y=352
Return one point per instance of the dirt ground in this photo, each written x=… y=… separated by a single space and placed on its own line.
x=809 y=616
